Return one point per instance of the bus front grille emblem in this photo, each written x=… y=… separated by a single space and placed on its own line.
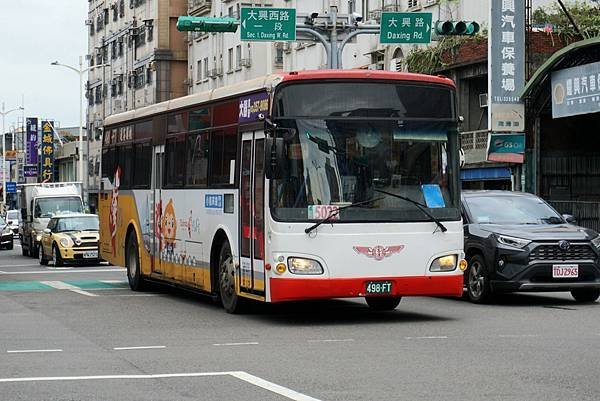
x=378 y=252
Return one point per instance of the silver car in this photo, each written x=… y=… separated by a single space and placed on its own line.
x=13 y=218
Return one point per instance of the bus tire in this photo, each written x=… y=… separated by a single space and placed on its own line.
x=383 y=303
x=231 y=302
x=132 y=262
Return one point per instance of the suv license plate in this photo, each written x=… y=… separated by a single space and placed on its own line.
x=379 y=287
x=565 y=271
x=90 y=254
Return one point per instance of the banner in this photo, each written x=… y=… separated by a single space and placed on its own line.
x=506 y=65
x=508 y=148
x=32 y=140
x=47 y=151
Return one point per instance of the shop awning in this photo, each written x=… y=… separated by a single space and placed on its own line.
x=489 y=173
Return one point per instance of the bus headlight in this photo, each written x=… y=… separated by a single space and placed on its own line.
x=65 y=242
x=443 y=264
x=304 y=266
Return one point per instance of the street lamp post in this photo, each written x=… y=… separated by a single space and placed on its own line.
x=80 y=71
x=4 y=113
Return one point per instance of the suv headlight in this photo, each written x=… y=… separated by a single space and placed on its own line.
x=304 y=266
x=6 y=230
x=443 y=264
x=596 y=242
x=65 y=242
x=513 y=241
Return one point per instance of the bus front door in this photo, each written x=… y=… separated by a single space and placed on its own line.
x=157 y=208
x=252 y=209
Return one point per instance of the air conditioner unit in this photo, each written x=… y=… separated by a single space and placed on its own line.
x=287 y=47
x=483 y=100
x=212 y=73
x=430 y=2
x=396 y=64
x=246 y=62
x=89 y=22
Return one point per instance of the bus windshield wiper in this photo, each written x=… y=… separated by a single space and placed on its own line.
x=335 y=212
x=419 y=206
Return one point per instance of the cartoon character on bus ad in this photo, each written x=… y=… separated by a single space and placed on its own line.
x=112 y=217
x=169 y=228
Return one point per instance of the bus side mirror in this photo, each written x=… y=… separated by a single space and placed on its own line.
x=274 y=157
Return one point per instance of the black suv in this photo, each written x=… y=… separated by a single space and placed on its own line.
x=515 y=241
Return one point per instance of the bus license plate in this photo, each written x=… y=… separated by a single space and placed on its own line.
x=565 y=271
x=90 y=254
x=379 y=287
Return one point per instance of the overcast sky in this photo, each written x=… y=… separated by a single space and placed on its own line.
x=34 y=33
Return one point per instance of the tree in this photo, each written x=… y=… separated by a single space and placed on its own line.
x=585 y=14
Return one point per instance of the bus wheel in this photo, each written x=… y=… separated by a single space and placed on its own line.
x=383 y=303
x=229 y=298
x=132 y=261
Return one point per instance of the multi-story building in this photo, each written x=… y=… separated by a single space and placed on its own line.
x=137 y=58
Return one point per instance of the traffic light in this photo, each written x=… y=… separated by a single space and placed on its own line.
x=207 y=24
x=447 y=28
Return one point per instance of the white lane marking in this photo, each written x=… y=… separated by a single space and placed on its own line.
x=517 y=335
x=275 y=388
x=62 y=271
x=113 y=281
x=141 y=347
x=234 y=344
x=426 y=338
x=25 y=351
x=58 y=268
x=59 y=285
x=248 y=378
x=331 y=340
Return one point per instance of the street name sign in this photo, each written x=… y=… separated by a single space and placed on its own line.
x=268 y=24
x=405 y=28
x=11 y=187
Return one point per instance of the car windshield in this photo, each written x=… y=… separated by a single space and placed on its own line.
x=48 y=207
x=77 y=224
x=12 y=215
x=504 y=209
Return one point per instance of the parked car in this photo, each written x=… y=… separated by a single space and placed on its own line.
x=70 y=238
x=6 y=235
x=13 y=218
x=515 y=241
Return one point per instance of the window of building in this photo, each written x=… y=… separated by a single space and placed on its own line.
x=174 y=161
x=230 y=59
x=223 y=149
x=205 y=75
x=120 y=46
x=121 y=8
x=199 y=70
x=413 y=3
x=113 y=50
x=149 y=73
x=238 y=56
x=106 y=16
x=197 y=159
x=139 y=80
x=115 y=12
x=98 y=94
x=199 y=119
x=230 y=12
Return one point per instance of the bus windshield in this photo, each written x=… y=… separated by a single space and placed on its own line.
x=48 y=207
x=359 y=154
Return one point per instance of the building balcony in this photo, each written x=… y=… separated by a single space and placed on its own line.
x=199 y=7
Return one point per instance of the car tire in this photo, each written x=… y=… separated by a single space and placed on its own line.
x=586 y=295
x=43 y=260
x=230 y=300
x=478 y=282
x=56 y=258
x=383 y=303
x=132 y=262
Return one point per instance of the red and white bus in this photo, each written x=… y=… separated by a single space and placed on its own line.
x=293 y=186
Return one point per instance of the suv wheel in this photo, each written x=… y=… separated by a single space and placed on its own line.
x=478 y=282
